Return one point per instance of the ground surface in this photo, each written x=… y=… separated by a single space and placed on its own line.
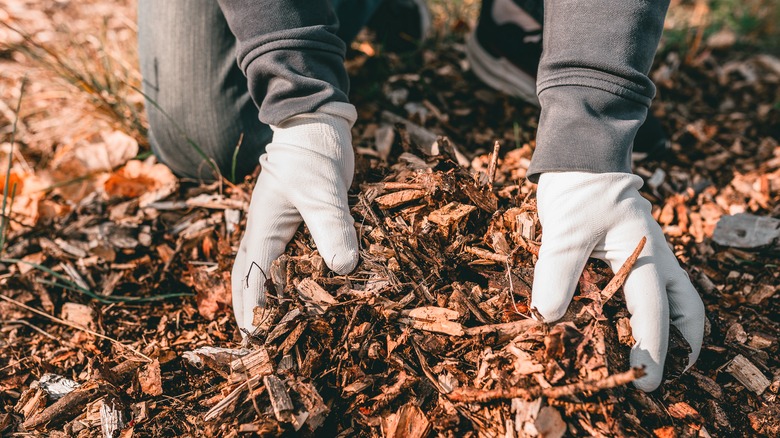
x=111 y=262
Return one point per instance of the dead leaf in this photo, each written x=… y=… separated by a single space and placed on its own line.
x=78 y=314
x=213 y=290
x=549 y=423
x=150 y=378
x=146 y=180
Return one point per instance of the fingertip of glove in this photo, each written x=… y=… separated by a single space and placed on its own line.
x=548 y=311
x=650 y=381
x=344 y=262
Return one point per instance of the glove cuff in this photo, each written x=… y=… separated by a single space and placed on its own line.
x=326 y=131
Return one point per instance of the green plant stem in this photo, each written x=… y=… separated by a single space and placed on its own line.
x=6 y=217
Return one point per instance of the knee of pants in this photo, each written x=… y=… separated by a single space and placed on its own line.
x=202 y=141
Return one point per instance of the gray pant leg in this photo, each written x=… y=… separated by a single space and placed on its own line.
x=196 y=93
x=188 y=62
x=592 y=83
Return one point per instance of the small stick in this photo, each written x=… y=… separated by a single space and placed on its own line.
x=528 y=246
x=487 y=255
x=75 y=326
x=512 y=328
x=391 y=185
x=621 y=275
x=491 y=172
x=473 y=395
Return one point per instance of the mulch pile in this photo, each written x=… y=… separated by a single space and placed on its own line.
x=116 y=313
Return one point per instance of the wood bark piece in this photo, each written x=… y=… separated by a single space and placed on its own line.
x=215 y=358
x=408 y=422
x=766 y=420
x=256 y=363
x=397 y=199
x=487 y=255
x=292 y=338
x=71 y=404
x=426 y=140
x=444 y=327
x=748 y=374
x=746 y=231
x=474 y=395
x=217 y=410
x=460 y=295
x=492 y=165
x=316 y=409
x=280 y=399
x=317 y=299
x=111 y=421
x=433 y=319
x=685 y=412
x=432 y=313
x=525 y=412
x=549 y=423
x=450 y=214
x=283 y=326
x=708 y=385
x=526 y=226
x=762 y=293
x=506 y=330
x=31 y=401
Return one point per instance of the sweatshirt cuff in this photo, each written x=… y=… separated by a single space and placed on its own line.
x=589 y=127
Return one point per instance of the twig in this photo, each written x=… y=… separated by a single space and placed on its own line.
x=621 y=275
x=76 y=326
x=528 y=246
x=473 y=395
x=7 y=182
x=392 y=185
x=487 y=255
x=491 y=172
x=512 y=328
x=38 y=329
x=223 y=404
x=167 y=266
x=511 y=287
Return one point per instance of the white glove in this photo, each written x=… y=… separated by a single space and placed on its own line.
x=603 y=215
x=306 y=172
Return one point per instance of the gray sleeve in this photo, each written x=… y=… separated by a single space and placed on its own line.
x=592 y=82
x=290 y=54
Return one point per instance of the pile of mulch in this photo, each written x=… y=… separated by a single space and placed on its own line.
x=116 y=310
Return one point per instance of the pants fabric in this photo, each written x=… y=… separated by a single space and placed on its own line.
x=199 y=101
x=592 y=81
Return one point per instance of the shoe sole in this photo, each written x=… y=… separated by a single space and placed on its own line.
x=425 y=19
x=654 y=153
x=499 y=73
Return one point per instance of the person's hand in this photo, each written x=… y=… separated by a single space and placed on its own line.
x=603 y=215
x=306 y=172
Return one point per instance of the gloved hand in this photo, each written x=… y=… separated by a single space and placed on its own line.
x=306 y=172
x=603 y=215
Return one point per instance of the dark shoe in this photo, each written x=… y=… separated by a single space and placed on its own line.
x=651 y=140
x=401 y=25
x=504 y=52
x=505 y=48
